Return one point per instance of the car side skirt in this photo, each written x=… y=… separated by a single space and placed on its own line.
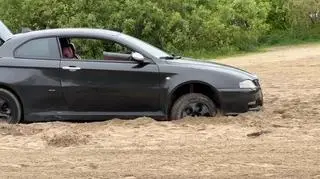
x=89 y=116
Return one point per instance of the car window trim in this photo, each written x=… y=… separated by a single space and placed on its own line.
x=35 y=58
x=96 y=60
x=104 y=61
x=59 y=46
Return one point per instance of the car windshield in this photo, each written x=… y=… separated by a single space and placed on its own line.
x=146 y=46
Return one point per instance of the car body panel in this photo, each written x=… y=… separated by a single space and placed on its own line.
x=219 y=75
x=107 y=86
x=216 y=75
x=241 y=101
x=37 y=83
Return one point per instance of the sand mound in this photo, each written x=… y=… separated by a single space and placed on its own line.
x=66 y=139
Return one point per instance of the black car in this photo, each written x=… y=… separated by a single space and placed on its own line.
x=94 y=74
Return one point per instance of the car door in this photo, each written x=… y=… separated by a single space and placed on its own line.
x=111 y=85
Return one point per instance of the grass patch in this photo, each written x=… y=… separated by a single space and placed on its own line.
x=275 y=39
x=209 y=55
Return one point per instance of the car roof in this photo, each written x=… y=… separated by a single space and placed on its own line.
x=67 y=32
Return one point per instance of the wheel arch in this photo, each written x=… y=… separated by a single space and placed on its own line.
x=193 y=86
x=11 y=90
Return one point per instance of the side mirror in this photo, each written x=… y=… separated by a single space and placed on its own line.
x=137 y=57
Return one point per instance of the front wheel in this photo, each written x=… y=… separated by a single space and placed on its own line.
x=193 y=105
x=10 y=109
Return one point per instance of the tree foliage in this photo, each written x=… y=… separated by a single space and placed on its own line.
x=175 y=25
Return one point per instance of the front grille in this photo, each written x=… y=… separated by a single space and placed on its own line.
x=256 y=82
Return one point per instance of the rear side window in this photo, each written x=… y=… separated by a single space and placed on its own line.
x=44 y=48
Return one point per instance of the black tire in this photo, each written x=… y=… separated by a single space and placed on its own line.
x=14 y=106
x=193 y=98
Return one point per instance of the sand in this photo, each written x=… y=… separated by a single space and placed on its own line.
x=282 y=141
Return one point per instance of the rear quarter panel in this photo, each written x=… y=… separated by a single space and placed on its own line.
x=36 y=82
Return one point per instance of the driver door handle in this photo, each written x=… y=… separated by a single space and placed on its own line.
x=71 y=68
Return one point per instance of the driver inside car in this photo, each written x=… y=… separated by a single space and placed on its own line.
x=70 y=52
x=67 y=52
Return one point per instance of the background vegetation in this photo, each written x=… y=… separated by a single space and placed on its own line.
x=186 y=27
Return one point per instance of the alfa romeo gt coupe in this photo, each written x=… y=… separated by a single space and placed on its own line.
x=87 y=74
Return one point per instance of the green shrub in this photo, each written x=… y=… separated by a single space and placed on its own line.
x=178 y=26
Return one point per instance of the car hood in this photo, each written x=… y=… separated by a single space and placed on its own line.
x=213 y=66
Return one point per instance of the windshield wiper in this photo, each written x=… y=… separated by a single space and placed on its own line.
x=172 y=57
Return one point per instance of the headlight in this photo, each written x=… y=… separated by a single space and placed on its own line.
x=247 y=84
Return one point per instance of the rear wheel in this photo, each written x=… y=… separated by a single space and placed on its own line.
x=10 y=109
x=193 y=105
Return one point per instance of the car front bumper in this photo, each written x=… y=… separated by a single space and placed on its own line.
x=238 y=101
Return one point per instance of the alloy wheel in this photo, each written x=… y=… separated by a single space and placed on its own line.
x=5 y=111
x=196 y=110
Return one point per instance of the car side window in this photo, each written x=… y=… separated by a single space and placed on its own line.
x=94 y=49
x=43 y=48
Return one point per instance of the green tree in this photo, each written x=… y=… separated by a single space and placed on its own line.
x=176 y=25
